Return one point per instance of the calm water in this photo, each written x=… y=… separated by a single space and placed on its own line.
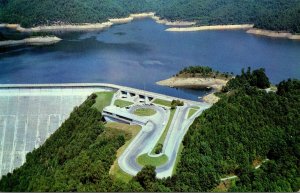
x=140 y=53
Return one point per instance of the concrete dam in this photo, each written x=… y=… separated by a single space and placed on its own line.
x=30 y=114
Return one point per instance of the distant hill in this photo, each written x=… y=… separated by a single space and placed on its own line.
x=268 y=14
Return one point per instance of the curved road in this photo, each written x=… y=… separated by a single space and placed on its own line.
x=176 y=133
x=145 y=141
x=147 y=138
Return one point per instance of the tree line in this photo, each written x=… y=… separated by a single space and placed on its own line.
x=279 y=15
x=203 y=72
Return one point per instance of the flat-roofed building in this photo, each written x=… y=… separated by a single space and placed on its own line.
x=113 y=113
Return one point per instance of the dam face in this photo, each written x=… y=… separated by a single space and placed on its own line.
x=28 y=116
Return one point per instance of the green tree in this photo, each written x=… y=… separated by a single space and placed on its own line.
x=146 y=177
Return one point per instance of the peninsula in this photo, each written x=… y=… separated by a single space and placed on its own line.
x=199 y=77
x=40 y=40
x=210 y=27
x=274 y=34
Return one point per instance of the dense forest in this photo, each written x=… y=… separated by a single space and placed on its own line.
x=202 y=71
x=257 y=78
x=248 y=127
x=267 y=14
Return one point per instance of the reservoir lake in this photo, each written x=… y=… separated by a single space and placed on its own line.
x=140 y=53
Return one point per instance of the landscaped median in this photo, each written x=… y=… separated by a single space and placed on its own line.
x=144 y=112
x=162 y=102
x=192 y=111
x=145 y=159
x=122 y=103
x=166 y=129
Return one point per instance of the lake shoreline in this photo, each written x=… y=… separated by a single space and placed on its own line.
x=41 y=40
x=273 y=34
x=248 y=27
x=97 y=26
x=177 y=26
x=210 y=27
x=210 y=98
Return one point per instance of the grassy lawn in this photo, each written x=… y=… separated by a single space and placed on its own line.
x=192 y=112
x=162 y=102
x=144 y=112
x=131 y=131
x=154 y=161
x=122 y=103
x=103 y=99
x=163 y=136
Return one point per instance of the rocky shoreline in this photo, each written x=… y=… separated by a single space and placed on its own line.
x=192 y=82
x=211 y=98
x=177 y=26
x=212 y=27
x=248 y=27
x=97 y=26
x=273 y=34
x=197 y=83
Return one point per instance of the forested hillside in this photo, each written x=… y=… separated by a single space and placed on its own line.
x=77 y=157
x=267 y=14
x=242 y=129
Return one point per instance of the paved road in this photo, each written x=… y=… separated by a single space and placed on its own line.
x=172 y=141
x=176 y=133
x=146 y=140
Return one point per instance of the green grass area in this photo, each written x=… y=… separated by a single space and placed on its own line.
x=192 y=111
x=132 y=130
x=195 y=107
x=178 y=157
x=162 y=102
x=163 y=136
x=103 y=99
x=144 y=112
x=122 y=103
x=154 y=161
